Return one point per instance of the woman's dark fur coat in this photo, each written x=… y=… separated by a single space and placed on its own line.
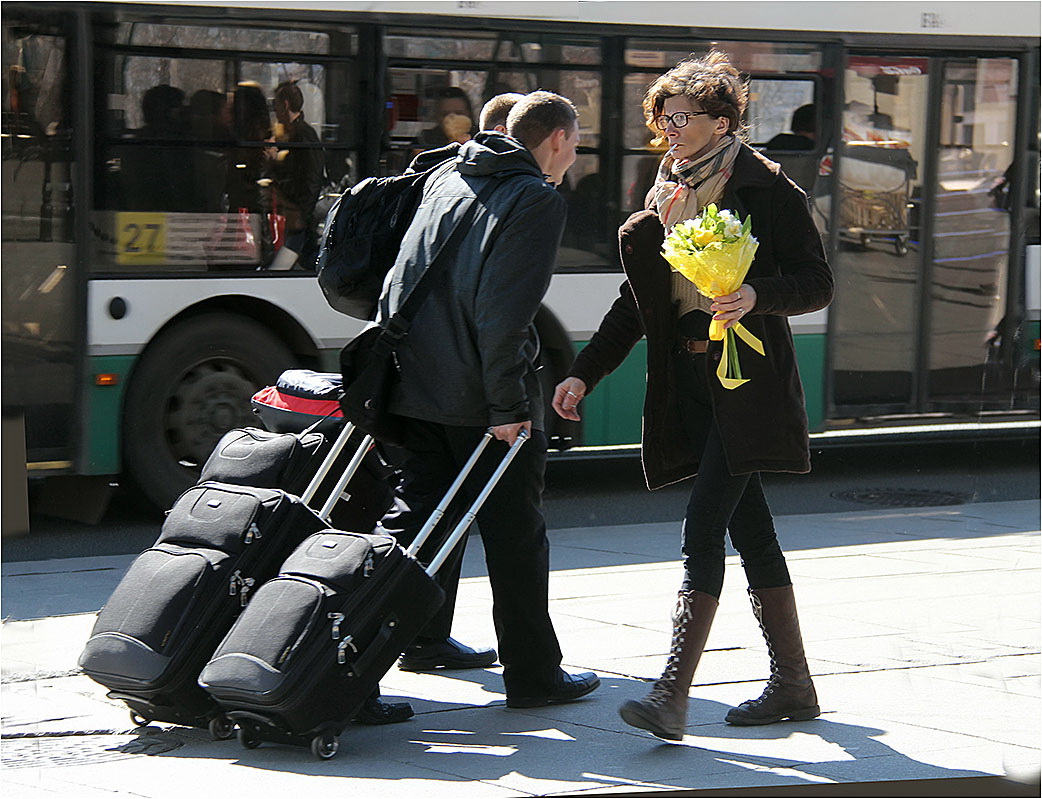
x=763 y=423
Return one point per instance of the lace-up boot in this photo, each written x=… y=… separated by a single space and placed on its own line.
x=663 y=712
x=790 y=691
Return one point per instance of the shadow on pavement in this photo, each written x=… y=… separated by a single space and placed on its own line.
x=584 y=746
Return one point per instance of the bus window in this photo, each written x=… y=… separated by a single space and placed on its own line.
x=39 y=254
x=749 y=57
x=874 y=317
x=779 y=109
x=969 y=273
x=782 y=120
x=215 y=163
x=431 y=104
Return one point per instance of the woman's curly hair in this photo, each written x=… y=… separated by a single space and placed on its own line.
x=710 y=81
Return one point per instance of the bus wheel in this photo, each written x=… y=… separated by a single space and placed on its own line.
x=193 y=384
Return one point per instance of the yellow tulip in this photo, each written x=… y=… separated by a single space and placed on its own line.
x=704 y=237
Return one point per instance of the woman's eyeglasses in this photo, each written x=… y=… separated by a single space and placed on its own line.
x=679 y=119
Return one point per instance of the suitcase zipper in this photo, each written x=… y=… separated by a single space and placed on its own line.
x=341 y=650
x=336 y=618
x=240 y=585
x=253 y=533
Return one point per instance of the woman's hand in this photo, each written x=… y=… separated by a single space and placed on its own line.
x=567 y=396
x=730 y=308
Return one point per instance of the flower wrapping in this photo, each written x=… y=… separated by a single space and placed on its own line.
x=714 y=251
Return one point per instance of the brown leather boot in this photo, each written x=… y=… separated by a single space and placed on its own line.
x=790 y=691
x=663 y=712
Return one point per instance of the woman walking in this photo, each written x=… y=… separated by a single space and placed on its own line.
x=693 y=425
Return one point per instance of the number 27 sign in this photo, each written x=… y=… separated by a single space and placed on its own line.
x=140 y=237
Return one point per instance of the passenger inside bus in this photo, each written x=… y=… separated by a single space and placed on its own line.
x=297 y=174
x=156 y=178
x=453 y=118
x=210 y=117
x=795 y=147
x=804 y=125
x=255 y=140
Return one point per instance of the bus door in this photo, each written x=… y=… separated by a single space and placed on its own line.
x=38 y=252
x=922 y=251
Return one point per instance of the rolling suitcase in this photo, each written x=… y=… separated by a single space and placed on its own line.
x=301 y=660
x=179 y=598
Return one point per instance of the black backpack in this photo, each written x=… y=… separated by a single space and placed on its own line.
x=363 y=233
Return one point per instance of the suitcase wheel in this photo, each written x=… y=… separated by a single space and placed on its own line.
x=325 y=745
x=222 y=728
x=138 y=720
x=248 y=739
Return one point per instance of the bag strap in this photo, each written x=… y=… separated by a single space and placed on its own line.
x=398 y=325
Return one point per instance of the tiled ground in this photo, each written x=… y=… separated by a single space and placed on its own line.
x=922 y=628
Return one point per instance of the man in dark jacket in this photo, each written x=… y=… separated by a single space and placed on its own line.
x=468 y=365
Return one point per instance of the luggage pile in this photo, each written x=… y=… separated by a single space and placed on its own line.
x=254 y=614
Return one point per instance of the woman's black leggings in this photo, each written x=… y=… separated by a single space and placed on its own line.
x=721 y=504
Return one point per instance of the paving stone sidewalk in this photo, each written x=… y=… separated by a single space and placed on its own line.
x=922 y=627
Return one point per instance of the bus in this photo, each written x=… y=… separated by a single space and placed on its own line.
x=167 y=168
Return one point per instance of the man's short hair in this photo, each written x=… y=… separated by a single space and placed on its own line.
x=496 y=110
x=804 y=119
x=535 y=116
x=290 y=93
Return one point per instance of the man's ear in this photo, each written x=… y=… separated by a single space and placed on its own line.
x=557 y=138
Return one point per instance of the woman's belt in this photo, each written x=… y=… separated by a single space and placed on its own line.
x=692 y=345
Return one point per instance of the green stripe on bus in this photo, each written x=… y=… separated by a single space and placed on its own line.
x=810 y=355
x=612 y=413
x=104 y=411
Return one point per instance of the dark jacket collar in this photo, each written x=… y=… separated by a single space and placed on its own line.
x=492 y=153
x=752 y=169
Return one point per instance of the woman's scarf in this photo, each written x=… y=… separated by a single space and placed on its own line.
x=683 y=188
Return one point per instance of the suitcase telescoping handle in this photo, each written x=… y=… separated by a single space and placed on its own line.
x=327 y=464
x=472 y=512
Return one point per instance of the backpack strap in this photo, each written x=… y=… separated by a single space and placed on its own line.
x=398 y=324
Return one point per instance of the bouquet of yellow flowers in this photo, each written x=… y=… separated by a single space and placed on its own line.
x=714 y=251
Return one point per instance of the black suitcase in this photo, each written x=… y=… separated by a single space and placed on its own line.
x=249 y=456
x=218 y=544
x=301 y=660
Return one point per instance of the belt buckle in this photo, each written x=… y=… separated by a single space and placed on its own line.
x=693 y=346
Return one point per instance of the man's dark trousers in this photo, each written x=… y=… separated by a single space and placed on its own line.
x=512 y=529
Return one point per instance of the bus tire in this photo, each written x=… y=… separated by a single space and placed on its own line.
x=193 y=384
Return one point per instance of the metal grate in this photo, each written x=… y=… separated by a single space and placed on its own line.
x=65 y=749
x=902 y=497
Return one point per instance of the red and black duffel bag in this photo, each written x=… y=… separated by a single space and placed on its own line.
x=300 y=399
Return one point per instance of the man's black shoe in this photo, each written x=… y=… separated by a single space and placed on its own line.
x=567 y=688
x=375 y=711
x=448 y=653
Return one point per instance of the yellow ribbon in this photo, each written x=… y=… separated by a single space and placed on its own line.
x=717 y=333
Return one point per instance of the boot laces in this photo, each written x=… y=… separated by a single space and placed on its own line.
x=663 y=687
x=775 y=679
x=772 y=685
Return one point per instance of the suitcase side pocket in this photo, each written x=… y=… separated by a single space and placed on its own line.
x=268 y=639
x=140 y=631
